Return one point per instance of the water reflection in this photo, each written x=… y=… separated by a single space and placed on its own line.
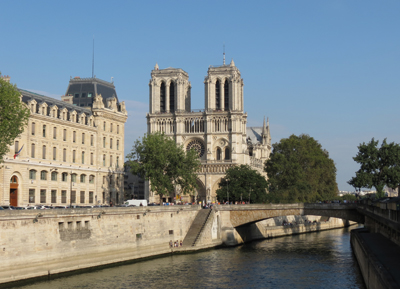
x=315 y=260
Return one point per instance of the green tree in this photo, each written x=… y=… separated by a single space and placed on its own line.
x=300 y=170
x=159 y=159
x=242 y=183
x=13 y=115
x=379 y=166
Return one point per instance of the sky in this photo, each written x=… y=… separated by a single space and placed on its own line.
x=329 y=69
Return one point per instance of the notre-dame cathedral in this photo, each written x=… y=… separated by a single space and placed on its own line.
x=218 y=132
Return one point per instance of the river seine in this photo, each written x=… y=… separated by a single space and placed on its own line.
x=315 y=260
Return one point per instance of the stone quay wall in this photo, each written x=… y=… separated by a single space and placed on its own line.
x=37 y=243
x=41 y=243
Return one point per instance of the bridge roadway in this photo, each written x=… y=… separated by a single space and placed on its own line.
x=246 y=214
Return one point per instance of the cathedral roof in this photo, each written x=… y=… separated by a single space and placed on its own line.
x=255 y=134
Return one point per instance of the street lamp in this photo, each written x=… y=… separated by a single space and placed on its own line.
x=227 y=189
x=249 y=194
x=70 y=190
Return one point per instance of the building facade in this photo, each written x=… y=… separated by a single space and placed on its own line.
x=218 y=132
x=69 y=154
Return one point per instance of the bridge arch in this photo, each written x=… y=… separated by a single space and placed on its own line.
x=241 y=215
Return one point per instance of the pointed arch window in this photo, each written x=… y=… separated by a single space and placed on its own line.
x=227 y=154
x=162 y=97
x=172 y=96
x=217 y=95
x=218 y=154
x=226 y=93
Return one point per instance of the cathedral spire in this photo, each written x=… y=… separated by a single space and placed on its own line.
x=224 y=55
x=264 y=129
x=266 y=136
x=156 y=67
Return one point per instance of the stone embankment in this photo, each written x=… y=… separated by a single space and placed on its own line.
x=44 y=243
x=377 y=246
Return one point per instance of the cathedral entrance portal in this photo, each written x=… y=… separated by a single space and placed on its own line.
x=201 y=192
x=14 y=191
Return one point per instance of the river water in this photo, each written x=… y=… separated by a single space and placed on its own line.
x=314 y=260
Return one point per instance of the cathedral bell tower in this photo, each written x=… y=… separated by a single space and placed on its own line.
x=224 y=88
x=169 y=90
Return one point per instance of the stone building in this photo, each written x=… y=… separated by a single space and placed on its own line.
x=69 y=154
x=218 y=132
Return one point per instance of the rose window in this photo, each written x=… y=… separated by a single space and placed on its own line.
x=198 y=146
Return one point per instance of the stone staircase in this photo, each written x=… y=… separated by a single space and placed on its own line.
x=197 y=226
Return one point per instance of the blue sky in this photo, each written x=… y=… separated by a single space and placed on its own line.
x=330 y=69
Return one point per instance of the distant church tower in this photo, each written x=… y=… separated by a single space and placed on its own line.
x=169 y=90
x=224 y=88
x=218 y=133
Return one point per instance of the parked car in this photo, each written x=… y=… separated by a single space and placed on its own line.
x=8 y=207
x=1 y=208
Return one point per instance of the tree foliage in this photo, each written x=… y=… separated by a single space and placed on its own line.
x=299 y=170
x=379 y=166
x=159 y=159
x=242 y=183
x=13 y=115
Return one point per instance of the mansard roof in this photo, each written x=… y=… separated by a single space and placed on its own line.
x=84 y=86
x=255 y=134
x=28 y=95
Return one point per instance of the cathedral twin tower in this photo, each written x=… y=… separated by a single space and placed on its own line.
x=170 y=90
x=218 y=133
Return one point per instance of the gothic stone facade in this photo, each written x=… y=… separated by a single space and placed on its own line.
x=218 y=132
x=69 y=154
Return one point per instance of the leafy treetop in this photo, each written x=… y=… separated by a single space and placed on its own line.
x=242 y=183
x=378 y=166
x=299 y=170
x=159 y=159
x=13 y=115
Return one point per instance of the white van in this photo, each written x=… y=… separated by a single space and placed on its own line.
x=136 y=203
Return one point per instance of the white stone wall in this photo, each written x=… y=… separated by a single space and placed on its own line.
x=64 y=240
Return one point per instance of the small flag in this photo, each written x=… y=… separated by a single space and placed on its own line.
x=18 y=152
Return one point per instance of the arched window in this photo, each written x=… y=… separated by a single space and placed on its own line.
x=32 y=175
x=217 y=95
x=91 y=179
x=73 y=178
x=44 y=153
x=43 y=175
x=162 y=97
x=226 y=92
x=54 y=176
x=64 y=177
x=227 y=156
x=83 y=178
x=172 y=96
x=32 y=150
x=218 y=154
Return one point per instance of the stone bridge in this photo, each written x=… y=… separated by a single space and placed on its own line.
x=247 y=214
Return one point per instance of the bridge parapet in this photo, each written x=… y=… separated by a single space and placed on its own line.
x=246 y=214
